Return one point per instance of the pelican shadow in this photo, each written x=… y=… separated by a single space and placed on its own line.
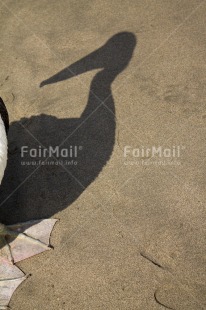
x=27 y=194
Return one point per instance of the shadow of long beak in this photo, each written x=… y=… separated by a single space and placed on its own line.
x=87 y=63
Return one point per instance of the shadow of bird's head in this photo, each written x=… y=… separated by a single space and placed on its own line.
x=113 y=56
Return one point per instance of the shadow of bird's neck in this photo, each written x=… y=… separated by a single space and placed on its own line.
x=100 y=95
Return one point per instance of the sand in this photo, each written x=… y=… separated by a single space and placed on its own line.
x=131 y=230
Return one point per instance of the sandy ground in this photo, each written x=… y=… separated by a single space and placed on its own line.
x=131 y=233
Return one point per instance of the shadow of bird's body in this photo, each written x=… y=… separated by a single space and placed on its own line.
x=33 y=193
